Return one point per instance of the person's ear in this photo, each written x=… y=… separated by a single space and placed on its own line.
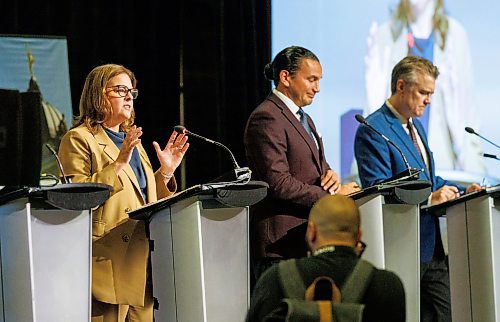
x=311 y=232
x=400 y=85
x=285 y=78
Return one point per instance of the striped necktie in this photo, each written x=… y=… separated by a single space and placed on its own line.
x=413 y=136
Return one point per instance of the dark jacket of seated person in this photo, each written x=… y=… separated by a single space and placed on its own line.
x=333 y=235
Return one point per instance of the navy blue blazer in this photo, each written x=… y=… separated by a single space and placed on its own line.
x=378 y=161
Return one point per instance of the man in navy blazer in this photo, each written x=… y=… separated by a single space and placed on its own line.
x=284 y=150
x=412 y=85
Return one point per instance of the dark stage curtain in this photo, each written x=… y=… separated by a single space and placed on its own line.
x=204 y=57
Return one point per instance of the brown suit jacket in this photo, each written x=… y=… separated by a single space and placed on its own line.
x=281 y=153
x=120 y=248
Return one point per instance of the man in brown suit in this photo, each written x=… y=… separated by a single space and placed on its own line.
x=284 y=150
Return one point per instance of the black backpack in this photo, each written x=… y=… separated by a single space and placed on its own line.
x=322 y=301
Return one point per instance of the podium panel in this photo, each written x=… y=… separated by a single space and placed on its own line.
x=200 y=262
x=45 y=259
x=392 y=235
x=45 y=252
x=372 y=225
x=390 y=222
x=474 y=257
x=200 y=253
x=458 y=259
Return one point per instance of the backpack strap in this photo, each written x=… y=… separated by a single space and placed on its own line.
x=355 y=286
x=292 y=283
x=325 y=311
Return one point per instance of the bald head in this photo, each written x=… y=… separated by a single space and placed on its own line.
x=336 y=219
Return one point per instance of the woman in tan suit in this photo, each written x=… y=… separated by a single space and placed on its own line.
x=105 y=147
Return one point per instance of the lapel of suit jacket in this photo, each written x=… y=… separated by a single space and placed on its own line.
x=300 y=128
x=112 y=151
x=397 y=127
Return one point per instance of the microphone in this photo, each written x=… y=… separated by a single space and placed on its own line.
x=64 y=178
x=471 y=131
x=411 y=171
x=492 y=156
x=241 y=173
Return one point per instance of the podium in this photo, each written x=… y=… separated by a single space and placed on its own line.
x=390 y=221
x=45 y=249
x=473 y=223
x=200 y=251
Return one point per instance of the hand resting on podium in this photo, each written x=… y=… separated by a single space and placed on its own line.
x=446 y=193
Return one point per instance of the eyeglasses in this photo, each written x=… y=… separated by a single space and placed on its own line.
x=123 y=91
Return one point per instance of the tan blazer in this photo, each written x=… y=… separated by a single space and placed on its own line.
x=120 y=248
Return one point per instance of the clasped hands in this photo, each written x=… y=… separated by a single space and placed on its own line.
x=330 y=182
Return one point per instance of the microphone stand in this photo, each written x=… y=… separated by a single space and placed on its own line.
x=471 y=131
x=64 y=178
x=242 y=174
x=403 y=176
x=409 y=173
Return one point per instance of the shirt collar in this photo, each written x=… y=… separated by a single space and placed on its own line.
x=288 y=102
x=400 y=117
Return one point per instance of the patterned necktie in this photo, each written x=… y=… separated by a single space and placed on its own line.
x=413 y=136
x=305 y=124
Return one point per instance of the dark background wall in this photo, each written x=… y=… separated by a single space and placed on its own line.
x=205 y=55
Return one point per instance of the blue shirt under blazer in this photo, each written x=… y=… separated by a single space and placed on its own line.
x=378 y=160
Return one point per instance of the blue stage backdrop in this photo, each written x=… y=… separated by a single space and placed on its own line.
x=357 y=51
x=44 y=62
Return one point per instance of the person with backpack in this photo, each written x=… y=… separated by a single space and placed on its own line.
x=333 y=236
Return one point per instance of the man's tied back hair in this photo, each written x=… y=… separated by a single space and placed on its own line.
x=288 y=59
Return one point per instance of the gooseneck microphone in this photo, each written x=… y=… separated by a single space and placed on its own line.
x=363 y=121
x=241 y=173
x=64 y=178
x=181 y=129
x=471 y=131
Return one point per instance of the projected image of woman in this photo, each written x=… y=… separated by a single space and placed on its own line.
x=422 y=28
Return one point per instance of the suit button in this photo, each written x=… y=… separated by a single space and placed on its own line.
x=126 y=238
x=127 y=209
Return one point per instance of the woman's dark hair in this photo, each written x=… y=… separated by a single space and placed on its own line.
x=288 y=59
